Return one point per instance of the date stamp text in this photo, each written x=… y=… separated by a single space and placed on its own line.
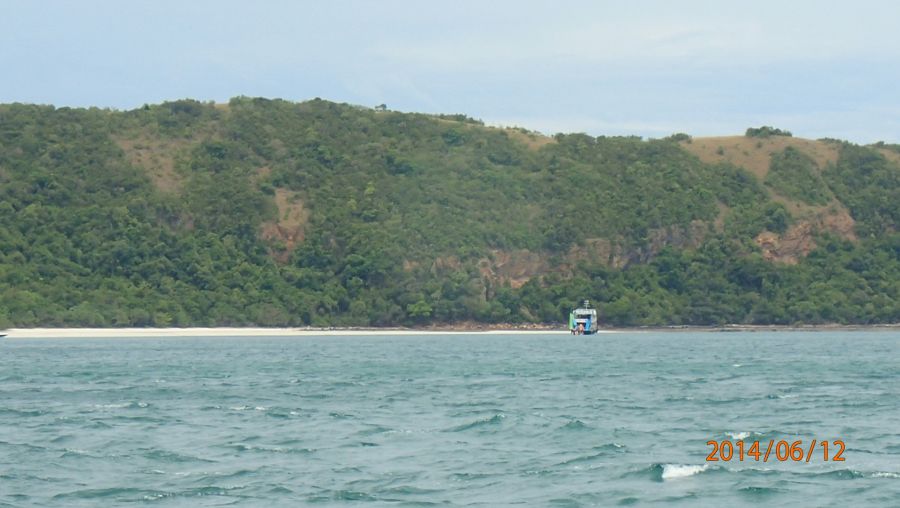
x=781 y=451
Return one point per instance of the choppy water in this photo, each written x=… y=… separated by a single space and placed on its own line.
x=485 y=420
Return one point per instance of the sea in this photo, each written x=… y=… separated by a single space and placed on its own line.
x=538 y=419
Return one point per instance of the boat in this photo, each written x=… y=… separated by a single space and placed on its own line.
x=583 y=320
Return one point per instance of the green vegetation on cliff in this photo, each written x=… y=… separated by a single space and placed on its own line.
x=268 y=212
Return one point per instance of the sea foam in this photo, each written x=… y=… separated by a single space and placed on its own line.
x=673 y=471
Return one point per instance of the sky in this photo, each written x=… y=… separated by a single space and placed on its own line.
x=646 y=68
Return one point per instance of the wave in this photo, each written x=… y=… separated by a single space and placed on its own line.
x=281 y=413
x=852 y=474
x=209 y=490
x=674 y=471
x=742 y=435
x=843 y=474
x=281 y=490
x=581 y=459
x=407 y=490
x=471 y=476
x=122 y=405
x=102 y=493
x=679 y=398
x=669 y=472
x=27 y=446
x=352 y=495
x=575 y=425
x=135 y=494
x=240 y=473
x=754 y=492
x=272 y=449
x=22 y=412
x=484 y=408
x=776 y=396
x=604 y=450
x=171 y=457
x=765 y=435
x=75 y=452
x=247 y=408
x=497 y=419
x=375 y=429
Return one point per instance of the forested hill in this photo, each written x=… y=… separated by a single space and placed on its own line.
x=268 y=212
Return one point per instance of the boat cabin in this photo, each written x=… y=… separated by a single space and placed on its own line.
x=583 y=320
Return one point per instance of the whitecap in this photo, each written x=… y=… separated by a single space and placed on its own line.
x=672 y=471
x=883 y=474
x=740 y=436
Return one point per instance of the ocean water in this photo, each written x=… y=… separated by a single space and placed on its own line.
x=451 y=420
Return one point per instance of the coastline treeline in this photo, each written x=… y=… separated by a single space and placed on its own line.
x=273 y=213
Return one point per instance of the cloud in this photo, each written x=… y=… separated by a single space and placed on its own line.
x=723 y=37
x=645 y=68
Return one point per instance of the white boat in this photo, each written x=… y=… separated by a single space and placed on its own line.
x=583 y=320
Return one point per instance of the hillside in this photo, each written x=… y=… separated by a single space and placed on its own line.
x=269 y=212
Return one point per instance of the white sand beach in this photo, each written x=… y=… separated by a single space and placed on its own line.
x=123 y=333
x=225 y=332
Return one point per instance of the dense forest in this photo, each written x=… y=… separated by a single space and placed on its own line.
x=268 y=212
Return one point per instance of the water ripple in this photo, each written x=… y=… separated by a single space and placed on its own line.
x=468 y=420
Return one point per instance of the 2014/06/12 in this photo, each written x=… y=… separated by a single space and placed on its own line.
x=784 y=451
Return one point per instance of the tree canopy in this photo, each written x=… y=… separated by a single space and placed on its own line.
x=269 y=212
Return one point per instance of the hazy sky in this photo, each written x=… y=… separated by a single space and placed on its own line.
x=819 y=69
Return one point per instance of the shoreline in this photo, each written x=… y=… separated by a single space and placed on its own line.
x=78 y=333
x=224 y=332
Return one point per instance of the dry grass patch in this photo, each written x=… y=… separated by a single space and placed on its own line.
x=157 y=157
x=263 y=173
x=532 y=140
x=754 y=154
x=890 y=155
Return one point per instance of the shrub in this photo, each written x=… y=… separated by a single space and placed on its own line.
x=766 y=131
